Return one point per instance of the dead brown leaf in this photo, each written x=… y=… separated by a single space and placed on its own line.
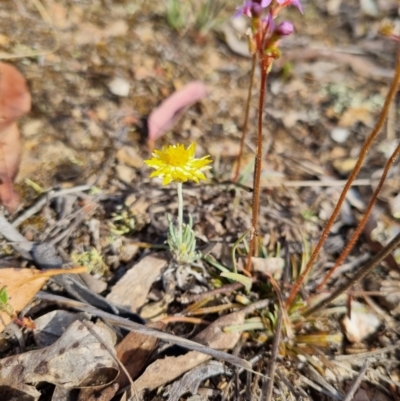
x=133 y=352
x=22 y=285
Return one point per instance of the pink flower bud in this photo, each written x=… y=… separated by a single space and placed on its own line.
x=285 y=28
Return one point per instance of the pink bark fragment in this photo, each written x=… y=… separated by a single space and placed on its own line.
x=15 y=101
x=171 y=109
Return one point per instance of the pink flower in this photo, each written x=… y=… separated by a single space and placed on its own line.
x=295 y=3
x=252 y=8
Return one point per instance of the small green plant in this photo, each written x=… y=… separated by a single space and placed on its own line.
x=122 y=221
x=177 y=13
x=174 y=163
x=4 y=304
x=201 y=15
x=92 y=259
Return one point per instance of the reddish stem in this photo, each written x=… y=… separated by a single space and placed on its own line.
x=246 y=118
x=264 y=65
x=363 y=154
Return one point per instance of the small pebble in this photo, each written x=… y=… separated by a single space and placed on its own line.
x=340 y=135
x=119 y=87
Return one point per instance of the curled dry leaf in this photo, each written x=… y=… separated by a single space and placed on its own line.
x=15 y=101
x=171 y=109
x=21 y=285
x=77 y=359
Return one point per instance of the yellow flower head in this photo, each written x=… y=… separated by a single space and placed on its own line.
x=175 y=163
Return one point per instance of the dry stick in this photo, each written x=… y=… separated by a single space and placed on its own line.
x=246 y=117
x=378 y=258
x=363 y=154
x=139 y=328
x=274 y=357
x=111 y=351
x=364 y=220
x=264 y=63
x=357 y=382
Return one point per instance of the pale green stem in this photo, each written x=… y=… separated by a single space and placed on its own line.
x=180 y=211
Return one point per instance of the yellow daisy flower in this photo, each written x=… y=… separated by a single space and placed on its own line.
x=175 y=163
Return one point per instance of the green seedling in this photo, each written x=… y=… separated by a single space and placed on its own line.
x=4 y=302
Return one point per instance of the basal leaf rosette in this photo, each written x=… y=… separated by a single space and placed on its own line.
x=175 y=163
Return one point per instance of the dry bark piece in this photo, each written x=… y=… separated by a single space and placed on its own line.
x=168 y=369
x=15 y=101
x=171 y=109
x=78 y=359
x=132 y=289
x=21 y=286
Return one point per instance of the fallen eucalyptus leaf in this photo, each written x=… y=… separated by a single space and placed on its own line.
x=21 y=286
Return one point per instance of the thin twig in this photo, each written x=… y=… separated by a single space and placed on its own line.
x=357 y=382
x=274 y=356
x=111 y=351
x=139 y=328
x=41 y=202
x=226 y=289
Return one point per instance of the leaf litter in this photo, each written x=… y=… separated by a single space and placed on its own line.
x=80 y=126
